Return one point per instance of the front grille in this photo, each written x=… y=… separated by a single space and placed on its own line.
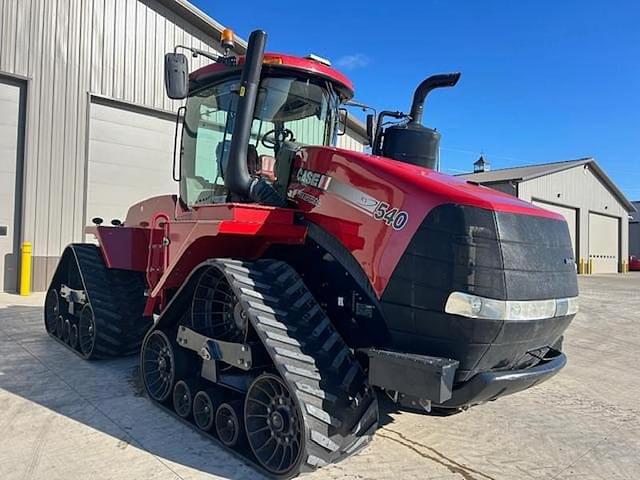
x=491 y=254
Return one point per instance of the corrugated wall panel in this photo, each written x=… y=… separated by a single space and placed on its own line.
x=69 y=50
x=579 y=188
x=351 y=141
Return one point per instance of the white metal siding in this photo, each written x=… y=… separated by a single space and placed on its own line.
x=604 y=243
x=69 y=49
x=569 y=214
x=9 y=132
x=579 y=187
x=351 y=141
x=130 y=159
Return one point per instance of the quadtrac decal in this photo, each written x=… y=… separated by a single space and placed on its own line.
x=381 y=211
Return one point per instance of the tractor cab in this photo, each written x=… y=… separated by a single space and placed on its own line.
x=297 y=104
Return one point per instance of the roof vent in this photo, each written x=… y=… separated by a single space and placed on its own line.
x=318 y=59
x=481 y=165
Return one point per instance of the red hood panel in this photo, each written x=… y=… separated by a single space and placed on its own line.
x=343 y=192
x=450 y=189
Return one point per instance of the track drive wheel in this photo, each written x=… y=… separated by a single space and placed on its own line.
x=158 y=366
x=51 y=310
x=87 y=331
x=273 y=424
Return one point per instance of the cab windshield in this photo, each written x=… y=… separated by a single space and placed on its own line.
x=287 y=109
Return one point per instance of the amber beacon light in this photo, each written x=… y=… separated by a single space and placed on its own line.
x=226 y=39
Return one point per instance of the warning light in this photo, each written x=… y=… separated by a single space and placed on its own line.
x=269 y=60
x=226 y=39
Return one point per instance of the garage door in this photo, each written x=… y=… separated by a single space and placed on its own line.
x=570 y=215
x=604 y=243
x=9 y=149
x=130 y=159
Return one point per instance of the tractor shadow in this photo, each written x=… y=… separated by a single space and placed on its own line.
x=105 y=396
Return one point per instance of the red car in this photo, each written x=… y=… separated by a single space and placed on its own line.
x=634 y=263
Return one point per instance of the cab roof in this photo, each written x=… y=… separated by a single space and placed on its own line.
x=285 y=62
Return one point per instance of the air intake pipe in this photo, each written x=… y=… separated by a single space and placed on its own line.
x=237 y=179
x=427 y=85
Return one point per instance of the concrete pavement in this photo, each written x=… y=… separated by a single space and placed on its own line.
x=61 y=418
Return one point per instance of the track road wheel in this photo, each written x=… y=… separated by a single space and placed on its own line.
x=66 y=331
x=87 y=331
x=228 y=426
x=60 y=326
x=158 y=366
x=182 y=399
x=51 y=310
x=203 y=410
x=273 y=424
x=73 y=336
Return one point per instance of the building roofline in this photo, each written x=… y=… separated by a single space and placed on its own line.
x=555 y=167
x=208 y=25
x=201 y=20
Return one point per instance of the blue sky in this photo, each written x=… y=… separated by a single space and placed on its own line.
x=541 y=81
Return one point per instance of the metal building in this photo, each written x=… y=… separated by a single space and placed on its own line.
x=596 y=210
x=634 y=231
x=86 y=128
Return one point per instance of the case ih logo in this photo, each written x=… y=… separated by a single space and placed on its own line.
x=381 y=211
x=313 y=179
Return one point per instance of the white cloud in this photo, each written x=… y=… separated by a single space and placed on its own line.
x=351 y=62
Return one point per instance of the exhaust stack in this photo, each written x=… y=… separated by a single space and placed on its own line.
x=237 y=179
x=412 y=142
x=427 y=85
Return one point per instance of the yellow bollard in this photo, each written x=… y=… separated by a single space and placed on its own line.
x=25 y=269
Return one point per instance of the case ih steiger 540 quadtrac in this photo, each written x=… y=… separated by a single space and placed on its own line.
x=291 y=280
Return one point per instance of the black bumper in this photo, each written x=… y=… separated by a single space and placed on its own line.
x=488 y=386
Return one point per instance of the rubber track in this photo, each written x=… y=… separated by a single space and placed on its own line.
x=116 y=298
x=339 y=408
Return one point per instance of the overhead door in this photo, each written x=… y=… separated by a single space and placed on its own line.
x=10 y=133
x=130 y=159
x=604 y=243
x=570 y=215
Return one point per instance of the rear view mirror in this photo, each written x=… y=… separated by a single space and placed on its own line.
x=176 y=75
x=371 y=127
x=342 y=121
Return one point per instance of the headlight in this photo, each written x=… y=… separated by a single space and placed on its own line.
x=474 y=306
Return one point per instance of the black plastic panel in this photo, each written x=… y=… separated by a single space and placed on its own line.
x=494 y=255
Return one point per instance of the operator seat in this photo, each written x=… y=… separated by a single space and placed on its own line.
x=284 y=162
x=253 y=165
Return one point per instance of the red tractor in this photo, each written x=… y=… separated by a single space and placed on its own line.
x=290 y=280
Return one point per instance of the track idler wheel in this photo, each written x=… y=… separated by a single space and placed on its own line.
x=203 y=410
x=51 y=311
x=228 y=425
x=273 y=424
x=87 y=331
x=183 y=398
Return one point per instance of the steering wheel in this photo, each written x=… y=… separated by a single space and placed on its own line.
x=277 y=137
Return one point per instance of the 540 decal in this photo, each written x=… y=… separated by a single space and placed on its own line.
x=381 y=211
x=391 y=216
